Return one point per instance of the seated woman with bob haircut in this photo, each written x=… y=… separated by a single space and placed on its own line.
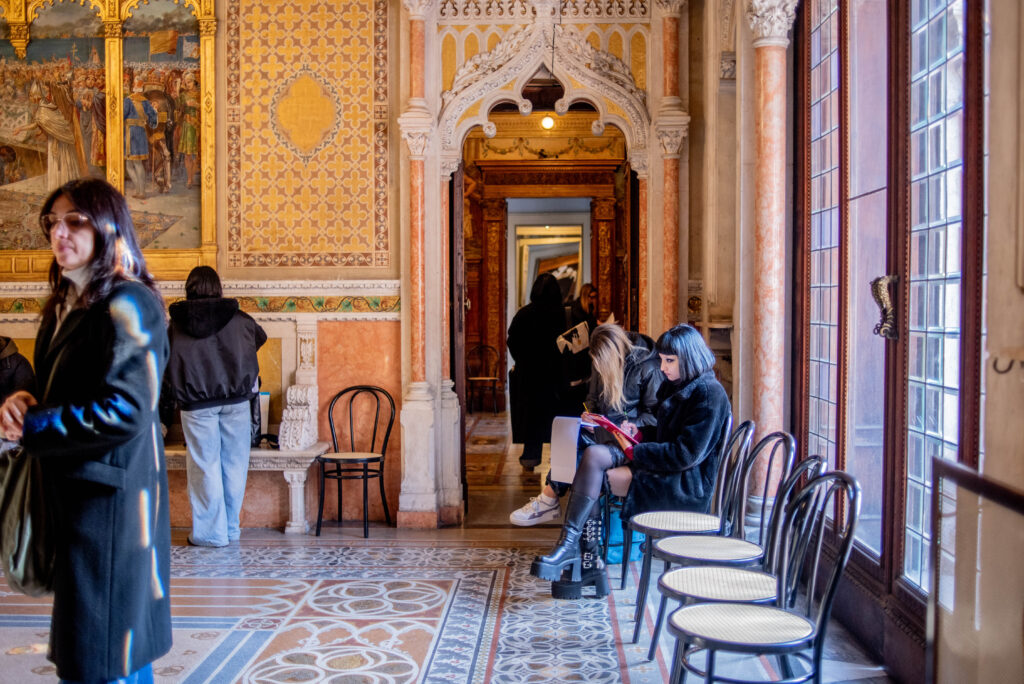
x=675 y=464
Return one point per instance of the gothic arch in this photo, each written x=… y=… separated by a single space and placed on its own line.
x=588 y=74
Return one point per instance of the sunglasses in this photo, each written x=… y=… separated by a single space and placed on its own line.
x=74 y=220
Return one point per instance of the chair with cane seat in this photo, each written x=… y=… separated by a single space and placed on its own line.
x=363 y=403
x=719 y=568
x=798 y=617
x=481 y=374
x=658 y=524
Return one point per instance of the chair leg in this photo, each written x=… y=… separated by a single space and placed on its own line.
x=641 y=590
x=320 y=512
x=606 y=515
x=384 y=497
x=627 y=549
x=494 y=397
x=785 y=667
x=341 y=516
x=709 y=675
x=657 y=627
x=366 y=504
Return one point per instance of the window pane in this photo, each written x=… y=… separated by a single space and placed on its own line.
x=824 y=257
x=933 y=401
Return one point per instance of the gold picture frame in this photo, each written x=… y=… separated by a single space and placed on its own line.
x=33 y=264
x=540 y=249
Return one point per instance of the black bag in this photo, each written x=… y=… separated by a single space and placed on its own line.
x=254 y=428
x=27 y=549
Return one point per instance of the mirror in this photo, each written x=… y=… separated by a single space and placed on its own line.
x=557 y=250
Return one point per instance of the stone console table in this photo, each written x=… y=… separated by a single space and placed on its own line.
x=292 y=464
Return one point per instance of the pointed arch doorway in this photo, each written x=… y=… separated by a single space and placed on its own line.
x=484 y=293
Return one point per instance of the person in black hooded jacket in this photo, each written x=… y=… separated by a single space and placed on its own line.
x=15 y=370
x=211 y=376
x=537 y=383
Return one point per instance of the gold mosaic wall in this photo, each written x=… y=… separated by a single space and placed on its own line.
x=307 y=136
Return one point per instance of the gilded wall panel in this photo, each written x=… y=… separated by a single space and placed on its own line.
x=307 y=117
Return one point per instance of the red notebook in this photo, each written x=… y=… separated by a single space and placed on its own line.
x=613 y=428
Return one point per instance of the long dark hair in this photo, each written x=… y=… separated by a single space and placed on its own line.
x=203 y=283
x=116 y=254
x=687 y=345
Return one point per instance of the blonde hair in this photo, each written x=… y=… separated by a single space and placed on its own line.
x=609 y=347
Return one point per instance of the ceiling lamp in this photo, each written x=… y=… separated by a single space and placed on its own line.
x=547 y=123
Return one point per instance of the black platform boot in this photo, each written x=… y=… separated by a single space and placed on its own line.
x=593 y=572
x=566 y=553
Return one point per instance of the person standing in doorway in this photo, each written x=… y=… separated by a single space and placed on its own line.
x=212 y=376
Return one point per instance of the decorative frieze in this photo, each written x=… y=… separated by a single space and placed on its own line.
x=771 y=20
x=514 y=11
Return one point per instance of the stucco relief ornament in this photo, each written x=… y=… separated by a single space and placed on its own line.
x=604 y=64
x=671 y=139
x=771 y=20
x=486 y=63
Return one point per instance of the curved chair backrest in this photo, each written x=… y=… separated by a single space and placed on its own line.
x=730 y=460
x=804 y=471
x=779 y=450
x=373 y=397
x=806 y=518
x=482 y=361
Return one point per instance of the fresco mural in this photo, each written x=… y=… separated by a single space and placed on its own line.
x=162 y=120
x=52 y=123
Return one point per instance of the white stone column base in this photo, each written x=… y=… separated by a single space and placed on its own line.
x=419 y=458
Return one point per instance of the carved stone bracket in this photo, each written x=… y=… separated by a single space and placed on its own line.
x=18 y=37
x=771 y=20
x=727 y=66
x=449 y=165
x=299 y=426
x=638 y=161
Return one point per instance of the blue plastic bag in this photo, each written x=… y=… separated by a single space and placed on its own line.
x=615 y=541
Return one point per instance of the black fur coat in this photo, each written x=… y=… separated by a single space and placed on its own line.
x=675 y=466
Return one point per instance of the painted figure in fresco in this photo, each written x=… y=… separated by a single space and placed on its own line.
x=11 y=170
x=138 y=116
x=187 y=144
x=159 y=151
x=62 y=158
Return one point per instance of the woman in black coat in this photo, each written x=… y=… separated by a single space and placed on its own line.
x=675 y=464
x=100 y=354
x=536 y=390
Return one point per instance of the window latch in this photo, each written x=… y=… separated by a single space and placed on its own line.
x=886 y=327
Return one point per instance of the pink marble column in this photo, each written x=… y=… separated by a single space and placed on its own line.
x=643 y=315
x=670 y=42
x=670 y=248
x=446 y=362
x=417 y=272
x=770 y=21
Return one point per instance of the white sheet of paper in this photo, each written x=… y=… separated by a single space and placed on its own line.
x=564 y=434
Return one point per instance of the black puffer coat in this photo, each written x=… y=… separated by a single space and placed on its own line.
x=213 y=354
x=675 y=466
x=15 y=370
x=642 y=377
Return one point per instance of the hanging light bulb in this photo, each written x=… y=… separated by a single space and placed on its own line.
x=547 y=123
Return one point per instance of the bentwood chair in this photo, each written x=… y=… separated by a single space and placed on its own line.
x=363 y=403
x=796 y=621
x=777 y=452
x=658 y=524
x=482 y=374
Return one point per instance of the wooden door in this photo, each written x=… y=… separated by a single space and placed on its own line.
x=457 y=312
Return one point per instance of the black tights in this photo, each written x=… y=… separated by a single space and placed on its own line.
x=589 y=477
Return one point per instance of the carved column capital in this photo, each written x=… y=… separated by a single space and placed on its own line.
x=638 y=161
x=727 y=66
x=111 y=29
x=671 y=133
x=417 y=129
x=449 y=165
x=18 y=37
x=771 y=20
x=418 y=9
x=207 y=27
x=671 y=8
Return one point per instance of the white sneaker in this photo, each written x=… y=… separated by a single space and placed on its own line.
x=535 y=512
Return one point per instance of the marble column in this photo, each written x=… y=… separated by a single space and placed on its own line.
x=418 y=500
x=452 y=510
x=671 y=126
x=770 y=22
x=644 y=315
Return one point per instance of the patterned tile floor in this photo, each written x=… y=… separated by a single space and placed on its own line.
x=451 y=605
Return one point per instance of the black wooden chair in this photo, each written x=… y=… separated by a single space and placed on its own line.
x=355 y=464
x=481 y=374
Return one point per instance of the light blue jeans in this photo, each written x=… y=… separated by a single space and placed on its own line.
x=218 y=440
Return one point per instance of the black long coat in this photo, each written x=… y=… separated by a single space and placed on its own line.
x=96 y=433
x=675 y=465
x=538 y=382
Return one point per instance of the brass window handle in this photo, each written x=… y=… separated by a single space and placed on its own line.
x=886 y=327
